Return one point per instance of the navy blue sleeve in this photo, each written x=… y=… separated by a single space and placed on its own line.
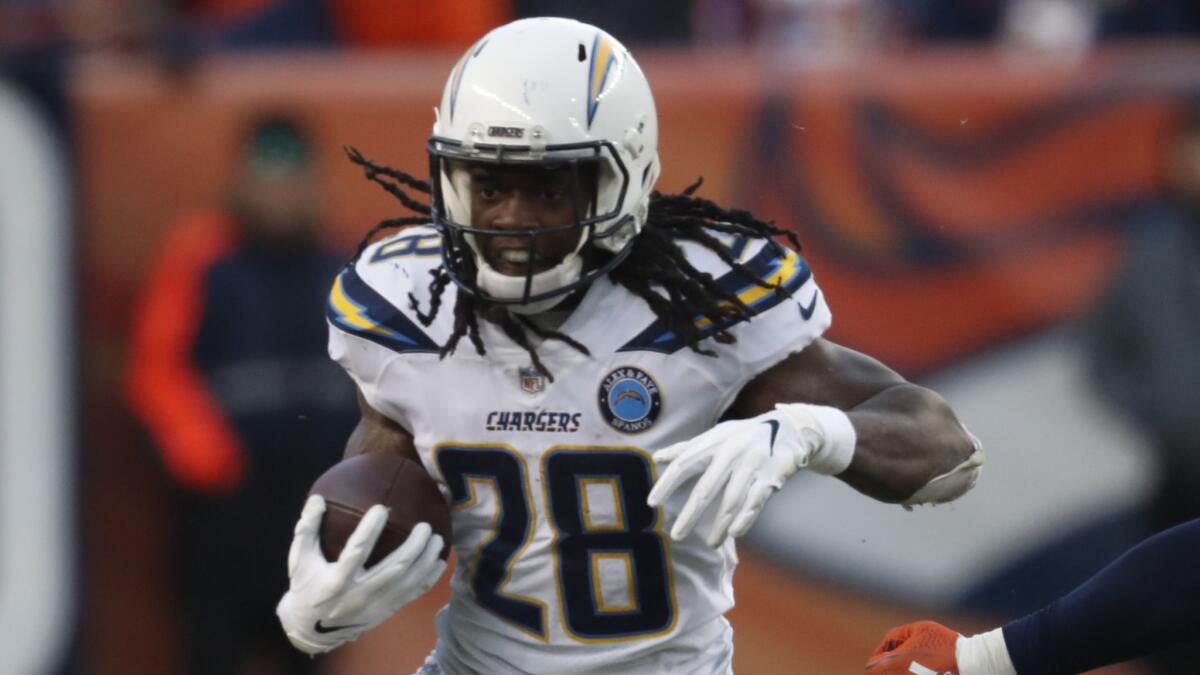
x=1146 y=600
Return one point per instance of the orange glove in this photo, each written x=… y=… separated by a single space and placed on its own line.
x=924 y=648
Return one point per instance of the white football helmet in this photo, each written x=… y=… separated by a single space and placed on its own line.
x=550 y=92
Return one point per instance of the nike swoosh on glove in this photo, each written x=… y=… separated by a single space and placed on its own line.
x=330 y=603
x=741 y=462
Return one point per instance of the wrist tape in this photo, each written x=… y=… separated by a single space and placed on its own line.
x=984 y=654
x=838 y=437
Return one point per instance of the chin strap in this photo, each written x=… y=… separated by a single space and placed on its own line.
x=838 y=438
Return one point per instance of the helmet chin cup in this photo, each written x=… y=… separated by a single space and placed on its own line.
x=511 y=290
x=553 y=285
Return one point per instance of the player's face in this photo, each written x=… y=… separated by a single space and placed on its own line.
x=507 y=198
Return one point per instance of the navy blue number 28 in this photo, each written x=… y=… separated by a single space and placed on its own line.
x=629 y=540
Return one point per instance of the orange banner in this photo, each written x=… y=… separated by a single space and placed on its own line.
x=946 y=203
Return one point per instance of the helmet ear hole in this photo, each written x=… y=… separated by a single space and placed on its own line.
x=582 y=53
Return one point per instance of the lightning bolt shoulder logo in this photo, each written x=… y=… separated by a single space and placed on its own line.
x=358 y=309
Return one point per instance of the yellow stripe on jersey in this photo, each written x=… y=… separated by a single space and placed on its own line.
x=782 y=272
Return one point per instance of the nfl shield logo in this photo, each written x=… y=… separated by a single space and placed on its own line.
x=532 y=380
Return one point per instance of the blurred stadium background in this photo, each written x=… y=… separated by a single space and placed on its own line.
x=966 y=177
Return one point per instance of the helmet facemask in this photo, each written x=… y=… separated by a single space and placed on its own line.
x=533 y=276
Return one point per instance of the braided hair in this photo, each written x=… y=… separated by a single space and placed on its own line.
x=654 y=260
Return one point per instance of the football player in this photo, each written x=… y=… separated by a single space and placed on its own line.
x=644 y=371
x=1147 y=600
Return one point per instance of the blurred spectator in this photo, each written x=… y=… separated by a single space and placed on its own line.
x=456 y=23
x=1066 y=25
x=957 y=21
x=636 y=21
x=180 y=30
x=723 y=21
x=268 y=24
x=28 y=22
x=1055 y=30
x=115 y=26
x=243 y=24
x=818 y=31
x=1146 y=331
x=1144 y=339
x=1032 y=30
x=229 y=375
x=109 y=25
x=1149 y=18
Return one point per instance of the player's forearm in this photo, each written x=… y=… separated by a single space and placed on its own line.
x=368 y=437
x=376 y=433
x=906 y=436
x=1146 y=600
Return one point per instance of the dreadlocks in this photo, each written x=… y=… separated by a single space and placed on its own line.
x=654 y=261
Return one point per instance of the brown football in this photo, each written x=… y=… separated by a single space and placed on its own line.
x=354 y=485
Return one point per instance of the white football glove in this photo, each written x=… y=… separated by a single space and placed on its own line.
x=330 y=603
x=745 y=461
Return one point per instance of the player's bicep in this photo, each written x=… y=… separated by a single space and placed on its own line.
x=377 y=432
x=823 y=373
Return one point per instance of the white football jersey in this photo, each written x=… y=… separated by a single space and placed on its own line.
x=562 y=567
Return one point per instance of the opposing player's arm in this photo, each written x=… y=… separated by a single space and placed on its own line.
x=1115 y=616
x=377 y=432
x=905 y=435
